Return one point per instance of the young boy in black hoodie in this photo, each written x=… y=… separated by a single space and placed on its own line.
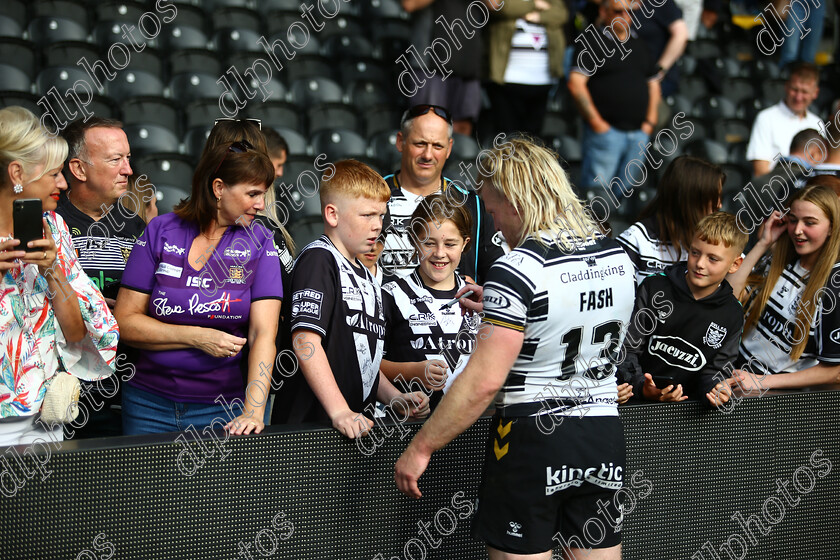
x=687 y=323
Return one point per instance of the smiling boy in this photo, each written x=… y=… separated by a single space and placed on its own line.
x=336 y=315
x=700 y=335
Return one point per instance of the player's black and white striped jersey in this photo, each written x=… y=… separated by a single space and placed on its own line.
x=572 y=306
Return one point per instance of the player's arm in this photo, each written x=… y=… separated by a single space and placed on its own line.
x=466 y=400
x=318 y=373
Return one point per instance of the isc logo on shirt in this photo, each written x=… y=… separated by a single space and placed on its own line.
x=198 y=282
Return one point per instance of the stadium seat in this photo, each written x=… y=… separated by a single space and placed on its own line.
x=237 y=18
x=738 y=89
x=567 y=148
x=347 y=46
x=16 y=11
x=707 y=149
x=715 y=107
x=278 y=22
x=166 y=168
x=194 y=60
x=107 y=32
x=202 y=113
x=704 y=48
x=168 y=197
x=310 y=66
x=344 y=25
x=729 y=68
x=295 y=140
x=62 y=77
x=686 y=64
x=772 y=91
x=47 y=30
x=230 y=39
x=368 y=69
x=278 y=114
x=133 y=83
x=374 y=164
x=211 y=5
x=305 y=231
x=14 y=79
x=338 y=144
x=23 y=99
x=556 y=124
x=265 y=6
x=679 y=104
x=152 y=110
x=760 y=70
x=382 y=118
x=9 y=27
x=390 y=28
x=69 y=10
x=693 y=87
x=189 y=87
x=390 y=48
x=383 y=146
x=195 y=138
x=123 y=11
x=68 y=53
x=737 y=176
x=366 y=94
x=180 y=36
x=150 y=138
x=311 y=91
x=103 y=106
x=738 y=153
x=731 y=131
x=326 y=116
x=464 y=148
x=382 y=9
x=748 y=109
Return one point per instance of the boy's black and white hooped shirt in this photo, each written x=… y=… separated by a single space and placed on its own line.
x=343 y=303
x=766 y=348
x=649 y=254
x=419 y=330
x=572 y=307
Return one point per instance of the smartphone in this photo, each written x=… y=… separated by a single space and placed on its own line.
x=662 y=381
x=27 y=216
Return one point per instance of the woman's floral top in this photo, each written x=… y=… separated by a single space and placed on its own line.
x=32 y=345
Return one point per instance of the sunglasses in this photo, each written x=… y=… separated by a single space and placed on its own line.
x=257 y=122
x=418 y=110
x=237 y=148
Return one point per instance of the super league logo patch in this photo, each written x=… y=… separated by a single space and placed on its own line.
x=714 y=335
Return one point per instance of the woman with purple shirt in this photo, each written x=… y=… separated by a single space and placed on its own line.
x=201 y=283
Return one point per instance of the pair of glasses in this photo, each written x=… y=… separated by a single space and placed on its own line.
x=256 y=122
x=418 y=110
x=237 y=148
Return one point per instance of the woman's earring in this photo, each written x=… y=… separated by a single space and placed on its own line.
x=18 y=188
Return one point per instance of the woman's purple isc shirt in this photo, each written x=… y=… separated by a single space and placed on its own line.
x=243 y=268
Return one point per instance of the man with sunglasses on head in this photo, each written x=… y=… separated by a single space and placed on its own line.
x=104 y=233
x=425 y=142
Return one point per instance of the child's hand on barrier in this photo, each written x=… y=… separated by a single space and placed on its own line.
x=720 y=394
x=352 y=424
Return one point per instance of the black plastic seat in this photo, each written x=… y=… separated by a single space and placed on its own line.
x=328 y=116
x=231 y=39
x=9 y=27
x=14 y=79
x=201 y=113
x=278 y=114
x=168 y=197
x=180 y=36
x=166 y=168
x=715 y=107
x=294 y=139
x=237 y=18
x=366 y=94
x=60 y=77
x=20 y=54
x=464 y=148
x=48 y=30
x=738 y=89
x=152 y=110
x=368 y=69
x=23 y=99
x=344 y=46
x=189 y=87
x=338 y=144
x=132 y=83
x=309 y=66
x=124 y=11
x=707 y=149
x=311 y=91
x=194 y=60
x=383 y=146
x=150 y=138
x=567 y=147
x=69 y=10
x=385 y=9
x=383 y=118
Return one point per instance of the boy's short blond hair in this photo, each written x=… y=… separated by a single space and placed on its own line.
x=721 y=227
x=353 y=179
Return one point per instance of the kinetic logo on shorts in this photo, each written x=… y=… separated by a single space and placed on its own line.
x=607 y=476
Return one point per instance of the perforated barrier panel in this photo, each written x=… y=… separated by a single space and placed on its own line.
x=773 y=464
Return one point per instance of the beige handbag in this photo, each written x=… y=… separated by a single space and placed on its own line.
x=61 y=403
